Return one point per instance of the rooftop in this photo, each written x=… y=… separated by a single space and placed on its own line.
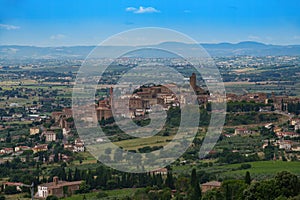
x=60 y=184
x=212 y=183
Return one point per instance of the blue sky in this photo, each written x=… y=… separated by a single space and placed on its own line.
x=85 y=22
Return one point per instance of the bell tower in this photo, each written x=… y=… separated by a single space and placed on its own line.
x=193 y=81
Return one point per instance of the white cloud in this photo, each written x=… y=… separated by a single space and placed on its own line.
x=57 y=37
x=254 y=37
x=146 y=10
x=131 y=9
x=9 y=27
x=142 y=10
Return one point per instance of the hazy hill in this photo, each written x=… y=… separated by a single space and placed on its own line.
x=220 y=49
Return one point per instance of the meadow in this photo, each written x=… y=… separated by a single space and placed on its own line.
x=259 y=170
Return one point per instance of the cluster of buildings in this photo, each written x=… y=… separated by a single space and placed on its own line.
x=143 y=99
x=296 y=123
x=63 y=119
x=49 y=136
x=31 y=113
x=77 y=147
x=284 y=144
x=285 y=140
x=61 y=189
x=255 y=97
x=57 y=188
x=139 y=103
x=278 y=102
x=16 y=150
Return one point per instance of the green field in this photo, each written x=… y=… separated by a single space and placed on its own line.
x=134 y=144
x=112 y=194
x=259 y=170
x=262 y=169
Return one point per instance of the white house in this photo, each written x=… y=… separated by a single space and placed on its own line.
x=50 y=136
x=79 y=147
x=286 y=144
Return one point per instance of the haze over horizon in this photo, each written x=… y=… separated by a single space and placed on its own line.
x=248 y=42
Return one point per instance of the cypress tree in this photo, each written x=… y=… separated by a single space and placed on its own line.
x=194 y=178
x=248 y=178
x=169 y=180
x=77 y=175
x=56 y=158
x=70 y=175
x=63 y=174
x=196 y=195
x=159 y=180
x=195 y=187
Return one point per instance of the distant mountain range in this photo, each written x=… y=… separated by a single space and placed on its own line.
x=221 y=49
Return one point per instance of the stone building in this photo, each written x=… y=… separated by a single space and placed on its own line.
x=57 y=188
x=34 y=130
x=210 y=185
x=242 y=131
x=64 y=118
x=198 y=90
x=50 y=136
x=39 y=148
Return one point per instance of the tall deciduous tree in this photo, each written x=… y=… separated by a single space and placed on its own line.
x=287 y=183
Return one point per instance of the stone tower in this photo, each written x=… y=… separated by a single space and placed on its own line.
x=193 y=81
x=111 y=93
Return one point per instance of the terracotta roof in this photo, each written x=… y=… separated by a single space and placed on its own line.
x=79 y=145
x=60 y=184
x=289 y=133
x=42 y=146
x=103 y=108
x=13 y=184
x=49 y=133
x=212 y=183
x=241 y=129
x=162 y=170
x=143 y=93
x=56 y=113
